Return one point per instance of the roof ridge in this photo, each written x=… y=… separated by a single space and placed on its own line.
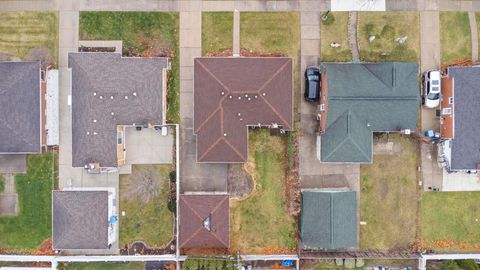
x=276 y=112
x=210 y=148
x=213 y=211
x=234 y=149
x=349 y=129
x=280 y=69
x=364 y=65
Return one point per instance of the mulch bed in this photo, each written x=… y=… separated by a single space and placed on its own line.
x=243 y=52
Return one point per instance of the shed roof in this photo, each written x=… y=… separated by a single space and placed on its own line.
x=110 y=90
x=231 y=94
x=329 y=219
x=80 y=219
x=466 y=97
x=20 y=107
x=204 y=221
x=377 y=96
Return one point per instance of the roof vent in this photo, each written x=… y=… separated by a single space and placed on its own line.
x=94 y=120
x=224 y=134
x=230 y=97
x=207 y=224
x=246 y=95
x=256 y=96
x=101 y=97
x=111 y=97
x=126 y=97
x=95 y=133
x=134 y=94
x=113 y=113
x=239 y=114
x=88 y=132
x=239 y=97
x=222 y=93
x=249 y=98
x=264 y=94
x=94 y=93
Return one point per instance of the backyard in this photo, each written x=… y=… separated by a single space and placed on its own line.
x=335 y=29
x=396 y=36
x=450 y=221
x=29 y=36
x=33 y=224
x=331 y=264
x=146 y=34
x=144 y=197
x=260 y=223
x=389 y=196
x=217 y=32
x=455 y=37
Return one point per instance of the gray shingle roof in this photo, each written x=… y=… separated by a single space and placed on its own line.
x=96 y=78
x=80 y=219
x=378 y=97
x=329 y=219
x=20 y=107
x=466 y=96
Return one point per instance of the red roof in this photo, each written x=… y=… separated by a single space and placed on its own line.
x=204 y=221
x=233 y=93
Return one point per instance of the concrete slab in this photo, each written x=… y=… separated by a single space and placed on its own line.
x=401 y=5
x=187 y=97
x=460 y=182
x=310 y=18
x=13 y=164
x=432 y=175
x=189 y=37
x=310 y=32
x=188 y=54
x=218 y=5
x=8 y=204
x=148 y=146
x=429 y=40
x=186 y=73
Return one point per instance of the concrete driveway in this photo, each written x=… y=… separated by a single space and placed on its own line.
x=13 y=163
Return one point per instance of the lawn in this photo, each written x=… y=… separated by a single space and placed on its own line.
x=33 y=224
x=2 y=183
x=455 y=37
x=389 y=197
x=217 y=31
x=30 y=35
x=103 y=266
x=335 y=30
x=330 y=264
x=451 y=220
x=143 y=34
x=144 y=198
x=387 y=27
x=260 y=223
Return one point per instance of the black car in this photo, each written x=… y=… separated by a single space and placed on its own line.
x=312 y=84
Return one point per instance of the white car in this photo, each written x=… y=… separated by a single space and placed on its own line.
x=431 y=88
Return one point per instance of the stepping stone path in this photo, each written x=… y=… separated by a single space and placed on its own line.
x=352 y=35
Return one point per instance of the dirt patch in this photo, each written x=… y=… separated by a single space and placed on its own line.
x=41 y=54
x=149 y=47
x=141 y=248
x=239 y=181
x=292 y=182
x=243 y=52
x=96 y=49
x=9 y=57
x=145 y=185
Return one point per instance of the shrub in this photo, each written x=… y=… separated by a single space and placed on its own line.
x=330 y=18
x=173 y=176
x=369 y=27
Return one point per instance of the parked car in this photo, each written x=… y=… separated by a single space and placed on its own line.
x=431 y=88
x=312 y=84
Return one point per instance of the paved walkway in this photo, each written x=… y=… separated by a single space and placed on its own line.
x=236 y=33
x=352 y=35
x=474 y=35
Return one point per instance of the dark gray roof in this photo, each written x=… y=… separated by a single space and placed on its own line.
x=377 y=97
x=20 y=107
x=80 y=219
x=466 y=96
x=329 y=219
x=96 y=78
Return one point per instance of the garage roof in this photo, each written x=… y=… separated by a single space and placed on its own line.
x=231 y=94
x=20 y=107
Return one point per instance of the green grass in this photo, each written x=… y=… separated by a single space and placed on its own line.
x=335 y=32
x=455 y=37
x=33 y=224
x=389 y=197
x=144 y=33
x=451 y=216
x=386 y=27
x=261 y=222
x=217 y=31
x=330 y=264
x=2 y=183
x=105 y=266
x=21 y=32
x=154 y=219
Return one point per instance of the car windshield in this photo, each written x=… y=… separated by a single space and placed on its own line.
x=313 y=77
x=435 y=82
x=433 y=96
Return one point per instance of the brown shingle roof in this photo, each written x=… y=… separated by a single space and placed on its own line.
x=446 y=123
x=231 y=94
x=204 y=221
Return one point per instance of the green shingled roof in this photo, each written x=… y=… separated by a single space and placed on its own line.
x=366 y=96
x=329 y=220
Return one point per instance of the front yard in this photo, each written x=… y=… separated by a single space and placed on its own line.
x=103 y=266
x=335 y=29
x=144 y=197
x=33 y=225
x=455 y=37
x=260 y=223
x=29 y=36
x=390 y=196
x=145 y=34
x=217 y=32
x=451 y=221
x=388 y=28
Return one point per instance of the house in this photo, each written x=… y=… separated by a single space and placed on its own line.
x=20 y=108
x=81 y=219
x=459 y=118
x=358 y=99
x=109 y=94
x=233 y=94
x=329 y=219
x=204 y=221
